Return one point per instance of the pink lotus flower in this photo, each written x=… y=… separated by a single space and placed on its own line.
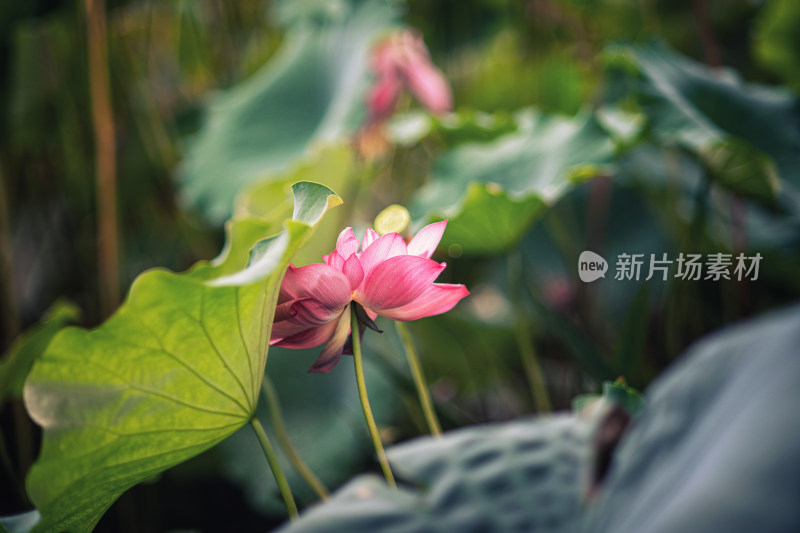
x=386 y=278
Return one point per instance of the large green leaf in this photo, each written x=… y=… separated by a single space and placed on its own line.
x=311 y=92
x=716 y=448
x=527 y=475
x=743 y=132
x=174 y=371
x=493 y=192
x=17 y=362
x=335 y=167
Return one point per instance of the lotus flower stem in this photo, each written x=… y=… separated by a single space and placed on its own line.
x=272 y=459
x=273 y=403
x=362 y=395
x=419 y=380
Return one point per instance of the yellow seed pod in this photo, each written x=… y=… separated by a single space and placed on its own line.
x=393 y=219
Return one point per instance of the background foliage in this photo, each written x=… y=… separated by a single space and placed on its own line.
x=578 y=125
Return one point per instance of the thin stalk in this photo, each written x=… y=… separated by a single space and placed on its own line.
x=8 y=300
x=737 y=205
x=105 y=154
x=530 y=360
x=273 y=403
x=419 y=380
x=707 y=37
x=362 y=395
x=9 y=311
x=272 y=459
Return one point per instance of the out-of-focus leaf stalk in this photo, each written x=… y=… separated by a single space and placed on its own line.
x=273 y=403
x=11 y=327
x=737 y=205
x=530 y=361
x=8 y=297
x=105 y=156
x=419 y=380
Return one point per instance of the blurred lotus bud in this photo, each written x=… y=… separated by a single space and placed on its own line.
x=402 y=62
x=371 y=141
x=559 y=294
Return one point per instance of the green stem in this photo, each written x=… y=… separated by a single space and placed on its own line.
x=532 y=368
x=362 y=395
x=273 y=403
x=530 y=361
x=419 y=379
x=272 y=459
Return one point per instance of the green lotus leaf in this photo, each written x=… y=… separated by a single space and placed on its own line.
x=527 y=475
x=312 y=92
x=461 y=126
x=715 y=448
x=29 y=346
x=174 y=371
x=746 y=134
x=492 y=192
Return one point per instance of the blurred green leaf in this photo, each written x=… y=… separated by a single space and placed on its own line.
x=311 y=92
x=616 y=392
x=777 y=41
x=289 y=12
x=620 y=393
x=492 y=192
x=29 y=346
x=462 y=126
x=743 y=133
x=623 y=126
x=174 y=371
x=716 y=447
x=521 y=476
x=511 y=71
x=20 y=523
x=490 y=221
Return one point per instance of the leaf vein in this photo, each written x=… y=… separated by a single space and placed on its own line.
x=186 y=365
x=246 y=348
x=168 y=397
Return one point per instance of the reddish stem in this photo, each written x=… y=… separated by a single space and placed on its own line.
x=105 y=154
